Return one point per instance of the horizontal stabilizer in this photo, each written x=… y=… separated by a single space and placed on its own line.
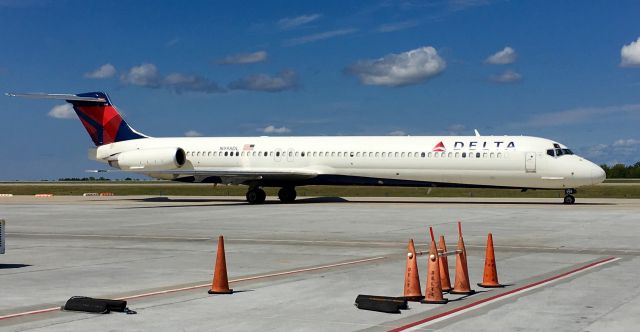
x=59 y=96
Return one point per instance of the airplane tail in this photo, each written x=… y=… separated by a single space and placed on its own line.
x=100 y=118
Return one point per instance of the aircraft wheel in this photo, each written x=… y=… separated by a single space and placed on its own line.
x=256 y=196
x=287 y=194
x=569 y=199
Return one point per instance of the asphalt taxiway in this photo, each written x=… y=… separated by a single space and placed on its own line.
x=300 y=266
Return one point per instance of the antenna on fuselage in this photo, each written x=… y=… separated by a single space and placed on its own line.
x=476 y=131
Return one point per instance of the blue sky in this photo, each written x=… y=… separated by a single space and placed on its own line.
x=565 y=70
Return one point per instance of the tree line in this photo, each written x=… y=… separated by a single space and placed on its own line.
x=622 y=171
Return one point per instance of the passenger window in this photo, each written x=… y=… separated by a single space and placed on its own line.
x=484 y=155
x=358 y=154
x=499 y=154
x=435 y=155
x=333 y=154
x=277 y=154
x=464 y=155
x=457 y=154
x=377 y=154
x=339 y=154
x=430 y=154
x=384 y=154
x=397 y=154
x=477 y=154
x=422 y=154
x=226 y=153
x=266 y=154
x=301 y=154
x=492 y=155
x=410 y=154
x=237 y=153
x=351 y=154
x=449 y=155
x=320 y=154
x=402 y=155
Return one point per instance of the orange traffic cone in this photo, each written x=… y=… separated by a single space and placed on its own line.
x=220 y=283
x=461 y=284
x=412 y=290
x=444 y=266
x=490 y=277
x=433 y=292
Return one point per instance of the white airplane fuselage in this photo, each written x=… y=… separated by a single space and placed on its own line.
x=429 y=161
x=464 y=161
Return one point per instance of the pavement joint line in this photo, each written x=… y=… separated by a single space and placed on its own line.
x=168 y=291
x=294 y=241
x=486 y=301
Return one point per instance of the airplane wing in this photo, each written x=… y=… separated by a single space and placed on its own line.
x=232 y=175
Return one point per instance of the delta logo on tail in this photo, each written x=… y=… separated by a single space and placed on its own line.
x=439 y=147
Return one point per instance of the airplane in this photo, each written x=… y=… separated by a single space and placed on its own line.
x=514 y=162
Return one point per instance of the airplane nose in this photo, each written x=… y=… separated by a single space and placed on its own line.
x=597 y=174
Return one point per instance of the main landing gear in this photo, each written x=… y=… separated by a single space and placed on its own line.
x=287 y=194
x=569 y=198
x=256 y=195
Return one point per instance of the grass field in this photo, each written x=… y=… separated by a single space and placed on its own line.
x=609 y=190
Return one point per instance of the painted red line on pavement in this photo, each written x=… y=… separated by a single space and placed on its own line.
x=41 y=311
x=473 y=304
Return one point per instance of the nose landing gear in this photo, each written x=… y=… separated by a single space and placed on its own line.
x=569 y=198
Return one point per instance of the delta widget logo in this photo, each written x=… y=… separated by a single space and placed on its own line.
x=439 y=147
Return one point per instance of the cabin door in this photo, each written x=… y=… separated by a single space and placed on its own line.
x=530 y=162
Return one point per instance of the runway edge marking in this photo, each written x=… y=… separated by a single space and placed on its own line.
x=481 y=303
x=168 y=291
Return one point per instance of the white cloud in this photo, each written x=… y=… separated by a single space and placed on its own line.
x=506 y=56
x=630 y=54
x=105 y=71
x=243 y=58
x=624 y=151
x=509 y=76
x=192 y=133
x=285 y=80
x=397 y=133
x=294 y=22
x=64 y=111
x=393 y=70
x=274 y=130
x=319 y=36
x=390 y=27
x=579 y=115
x=147 y=75
x=144 y=75
x=626 y=142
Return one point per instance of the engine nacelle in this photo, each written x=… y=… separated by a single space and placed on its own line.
x=156 y=159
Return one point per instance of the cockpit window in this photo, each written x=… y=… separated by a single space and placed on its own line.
x=558 y=152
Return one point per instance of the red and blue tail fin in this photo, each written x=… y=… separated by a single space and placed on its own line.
x=99 y=117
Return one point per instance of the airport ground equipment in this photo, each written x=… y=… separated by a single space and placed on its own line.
x=490 y=275
x=433 y=290
x=387 y=304
x=98 y=306
x=445 y=281
x=461 y=284
x=220 y=282
x=412 y=291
